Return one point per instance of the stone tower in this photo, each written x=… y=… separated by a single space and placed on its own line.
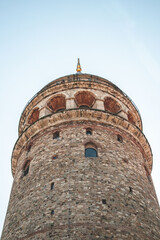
x=81 y=166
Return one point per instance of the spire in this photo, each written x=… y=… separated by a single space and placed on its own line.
x=78 y=67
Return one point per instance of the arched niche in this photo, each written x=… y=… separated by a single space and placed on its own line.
x=57 y=103
x=131 y=118
x=84 y=99
x=111 y=105
x=34 y=116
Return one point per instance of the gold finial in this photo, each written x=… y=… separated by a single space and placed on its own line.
x=79 y=69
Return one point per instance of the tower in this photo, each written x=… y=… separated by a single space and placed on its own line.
x=81 y=166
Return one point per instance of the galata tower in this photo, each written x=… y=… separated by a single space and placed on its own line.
x=81 y=166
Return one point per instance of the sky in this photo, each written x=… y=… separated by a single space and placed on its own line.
x=41 y=41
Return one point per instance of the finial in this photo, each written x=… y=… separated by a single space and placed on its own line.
x=78 y=67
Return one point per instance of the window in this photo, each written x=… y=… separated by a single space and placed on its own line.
x=88 y=131
x=56 y=135
x=52 y=212
x=52 y=185
x=125 y=160
x=130 y=190
x=26 y=167
x=90 y=150
x=120 y=138
x=84 y=107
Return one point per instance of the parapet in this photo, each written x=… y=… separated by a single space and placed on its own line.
x=79 y=91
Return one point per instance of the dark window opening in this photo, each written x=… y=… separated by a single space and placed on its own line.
x=90 y=152
x=130 y=190
x=56 y=135
x=26 y=171
x=125 y=160
x=104 y=201
x=52 y=212
x=88 y=131
x=61 y=110
x=26 y=167
x=52 y=185
x=84 y=107
x=119 y=138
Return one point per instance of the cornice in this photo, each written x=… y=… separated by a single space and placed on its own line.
x=76 y=115
x=82 y=81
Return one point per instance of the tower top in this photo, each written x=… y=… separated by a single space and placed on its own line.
x=79 y=69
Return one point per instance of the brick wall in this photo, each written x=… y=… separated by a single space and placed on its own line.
x=108 y=197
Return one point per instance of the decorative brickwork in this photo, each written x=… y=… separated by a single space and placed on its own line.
x=57 y=103
x=85 y=98
x=131 y=118
x=58 y=191
x=34 y=116
x=111 y=105
x=72 y=84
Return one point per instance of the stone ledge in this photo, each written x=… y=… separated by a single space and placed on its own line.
x=82 y=115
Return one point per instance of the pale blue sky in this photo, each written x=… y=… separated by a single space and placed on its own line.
x=41 y=40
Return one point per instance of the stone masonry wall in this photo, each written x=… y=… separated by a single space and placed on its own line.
x=108 y=197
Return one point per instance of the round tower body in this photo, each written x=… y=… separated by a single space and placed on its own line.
x=81 y=166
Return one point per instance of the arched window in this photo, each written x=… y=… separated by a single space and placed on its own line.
x=57 y=103
x=84 y=99
x=90 y=150
x=34 y=116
